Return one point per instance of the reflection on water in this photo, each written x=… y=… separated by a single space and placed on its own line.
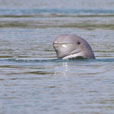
x=56 y=86
x=32 y=80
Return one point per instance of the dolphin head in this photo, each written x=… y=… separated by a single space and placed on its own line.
x=72 y=46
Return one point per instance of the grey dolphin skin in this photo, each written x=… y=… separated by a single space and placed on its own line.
x=71 y=46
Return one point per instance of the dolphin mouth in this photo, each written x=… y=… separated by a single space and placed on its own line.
x=65 y=45
x=58 y=44
x=55 y=44
x=75 y=56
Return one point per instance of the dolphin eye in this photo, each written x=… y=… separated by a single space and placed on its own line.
x=78 y=42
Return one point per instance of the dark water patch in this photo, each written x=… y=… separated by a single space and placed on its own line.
x=53 y=11
x=39 y=73
x=95 y=15
x=18 y=24
x=87 y=26
x=56 y=15
x=42 y=73
x=84 y=24
x=105 y=60
x=32 y=60
x=17 y=16
x=20 y=60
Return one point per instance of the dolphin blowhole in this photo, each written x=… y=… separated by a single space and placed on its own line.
x=68 y=46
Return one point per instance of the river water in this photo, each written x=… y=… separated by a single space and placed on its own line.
x=33 y=80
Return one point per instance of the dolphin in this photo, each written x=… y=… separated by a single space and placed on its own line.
x=68 y=46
